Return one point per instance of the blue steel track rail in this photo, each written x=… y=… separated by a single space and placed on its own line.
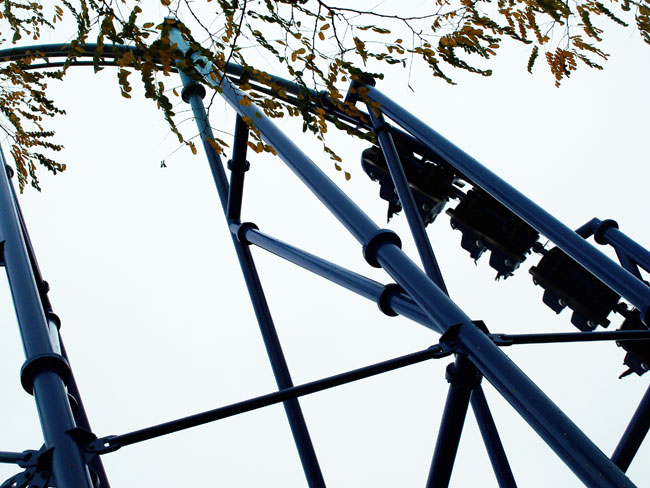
x=420 y=296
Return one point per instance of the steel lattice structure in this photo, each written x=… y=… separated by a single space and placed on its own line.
x=71 y=454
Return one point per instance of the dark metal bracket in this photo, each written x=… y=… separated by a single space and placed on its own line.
x=38 y=468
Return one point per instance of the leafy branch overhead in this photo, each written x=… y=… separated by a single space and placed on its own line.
x=321 y=45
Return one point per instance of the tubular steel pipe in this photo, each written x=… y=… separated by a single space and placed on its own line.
x=491 y=439
x=462 y=377
x=45 y=369
x=405 y=195
x=610 y=273
x=606 y=335
x=79 y=410
x=397 y=302
x=279 y=366
x=570 y=444
x=238 y=166
x=112 y=443
x=633 y=435
x=618 y=240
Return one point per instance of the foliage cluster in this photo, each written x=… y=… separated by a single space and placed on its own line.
x=322 y=45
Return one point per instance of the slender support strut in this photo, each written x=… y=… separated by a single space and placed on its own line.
x=405 y=195
x=634 y=434
x=111 y=443
x=463 y=377
x=491 y=439
x=269 y=335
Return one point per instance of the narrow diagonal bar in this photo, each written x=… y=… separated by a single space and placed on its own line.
x=491 y=439
x=192 y=92
x=608 y=271
x=462 y=377
x=405 y=195
x=381 y=247
x=634 y=434
x=112 y=443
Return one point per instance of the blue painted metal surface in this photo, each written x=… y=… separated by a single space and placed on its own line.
x=405 y=195
x=584 y=253
x=462 y=377
x=45 y=370
x=570 y=444
x=373 y=290
x=634 y=434
x=491 y=439
x=267 y=327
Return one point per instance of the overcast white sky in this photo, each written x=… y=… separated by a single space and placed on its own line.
x=158 y=324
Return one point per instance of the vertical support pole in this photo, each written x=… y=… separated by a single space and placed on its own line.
x=382 y=129
x=634 y=434
x=463 y=377
x=238 y=166
x=78 y=409
x=193 y=94
x=45 y=370
x=491 y=439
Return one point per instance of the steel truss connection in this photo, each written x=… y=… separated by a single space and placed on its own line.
x=71 y=454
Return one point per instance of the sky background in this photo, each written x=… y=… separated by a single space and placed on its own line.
x=158 y=324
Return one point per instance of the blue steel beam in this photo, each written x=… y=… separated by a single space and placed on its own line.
x=491 y=439
x=609 y=272
x=405 y=195
x=389 y=299
x=194 y=95
x=79 y=410
x=382 y=248
x=462 y=377
x=114 y=442
x=45 y=370
x=238 y=167
x=634 y=434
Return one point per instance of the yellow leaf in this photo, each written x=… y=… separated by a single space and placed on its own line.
x=347 y=176
x=338 y=168
x=166 y=3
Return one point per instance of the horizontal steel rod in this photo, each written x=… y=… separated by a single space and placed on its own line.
x=608 y=271
x=111 y=443
x=13 y=457
x=609 y=335
x=381 y=248
x=398 y=302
